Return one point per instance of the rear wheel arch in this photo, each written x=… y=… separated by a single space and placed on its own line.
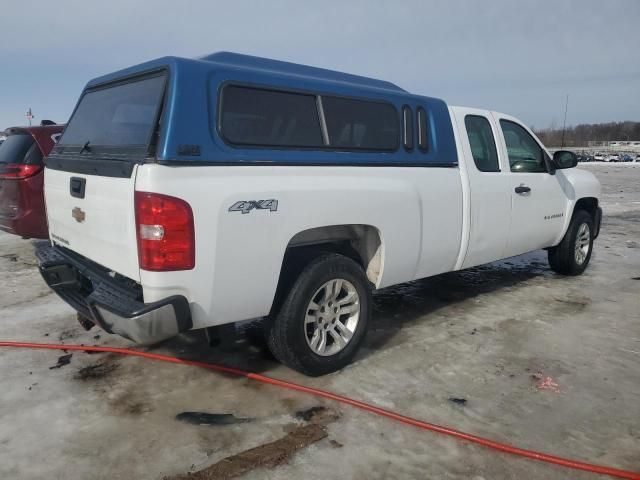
x=361 y=243
x=323 y=317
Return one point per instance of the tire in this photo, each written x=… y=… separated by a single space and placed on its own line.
x=569 y=256
x=294 y=332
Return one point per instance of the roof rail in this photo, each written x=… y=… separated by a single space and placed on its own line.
x=288 y=68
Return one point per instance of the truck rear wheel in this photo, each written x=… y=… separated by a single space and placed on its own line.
x=571 y=256
x=323 y=318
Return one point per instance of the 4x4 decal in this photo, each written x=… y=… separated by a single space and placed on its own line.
x=245 y=206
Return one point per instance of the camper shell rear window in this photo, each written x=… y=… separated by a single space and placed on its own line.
x=123 y=114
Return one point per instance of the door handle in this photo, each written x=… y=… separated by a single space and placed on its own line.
x=522 y=189
x=77 y=186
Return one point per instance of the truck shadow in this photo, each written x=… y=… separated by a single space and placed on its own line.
x=400 y=305
x=248 y=351
x=394 y=307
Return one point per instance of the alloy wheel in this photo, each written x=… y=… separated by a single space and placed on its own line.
x=332 y=317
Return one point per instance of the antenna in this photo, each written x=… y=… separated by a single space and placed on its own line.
x=29 y=116
x=564 y=123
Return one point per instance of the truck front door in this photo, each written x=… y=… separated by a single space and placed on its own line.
x=538 y=203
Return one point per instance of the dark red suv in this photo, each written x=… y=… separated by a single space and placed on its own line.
x=22 y=209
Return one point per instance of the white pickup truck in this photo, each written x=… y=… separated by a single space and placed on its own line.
x=195 y=193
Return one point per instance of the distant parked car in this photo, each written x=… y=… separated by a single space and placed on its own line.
x=598 y=157
x=626 y=158
x=22 y=210
x=612 y=158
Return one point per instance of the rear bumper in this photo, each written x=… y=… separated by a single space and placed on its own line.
x=114 y=305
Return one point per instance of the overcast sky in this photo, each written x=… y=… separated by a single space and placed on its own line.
x=519 y=57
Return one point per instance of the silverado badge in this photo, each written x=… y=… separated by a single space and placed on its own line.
x=78 y=214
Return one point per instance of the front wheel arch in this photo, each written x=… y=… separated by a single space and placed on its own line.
x=587 y=204
x=563 y=257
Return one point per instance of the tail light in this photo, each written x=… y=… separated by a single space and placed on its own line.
x=18 y=171
x=166 y=236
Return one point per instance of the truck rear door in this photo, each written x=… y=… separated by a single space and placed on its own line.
x=489 y=200
x=90 y=174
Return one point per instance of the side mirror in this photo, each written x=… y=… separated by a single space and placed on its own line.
x=565 y=159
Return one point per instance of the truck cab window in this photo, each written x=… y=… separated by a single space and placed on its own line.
x=482 y=143
x=525 y=155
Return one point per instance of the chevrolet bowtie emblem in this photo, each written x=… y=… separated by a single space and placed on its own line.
x=78 y=214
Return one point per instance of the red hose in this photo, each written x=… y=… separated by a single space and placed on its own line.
x=543 y=457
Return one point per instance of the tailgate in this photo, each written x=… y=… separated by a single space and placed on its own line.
x=100 y=226
x=90 y=174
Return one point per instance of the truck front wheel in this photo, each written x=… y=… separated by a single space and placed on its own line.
x=571 y=256
x=323 y=318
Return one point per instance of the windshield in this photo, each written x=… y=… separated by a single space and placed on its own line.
x=14 y=148
x=121 y=115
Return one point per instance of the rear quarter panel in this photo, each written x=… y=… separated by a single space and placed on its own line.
x=239 y=256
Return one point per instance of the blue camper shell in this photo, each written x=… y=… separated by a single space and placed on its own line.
x=188 y=126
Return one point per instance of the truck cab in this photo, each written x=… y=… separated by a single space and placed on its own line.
x=520 y=197
x=195 y=193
